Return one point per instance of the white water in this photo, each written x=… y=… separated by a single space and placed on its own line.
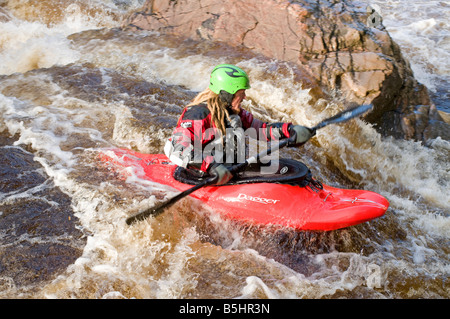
x=169 y=257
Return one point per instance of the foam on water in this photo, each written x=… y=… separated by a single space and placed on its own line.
x=41 y=41
x=190 y=251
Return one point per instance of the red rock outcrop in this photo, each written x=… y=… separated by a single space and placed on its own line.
x=333 y=41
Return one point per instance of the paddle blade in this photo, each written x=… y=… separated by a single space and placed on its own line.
x=158 y=209
x=152 y=211
x=345 y=115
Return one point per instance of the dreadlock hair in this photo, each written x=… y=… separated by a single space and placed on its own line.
x=216 y=106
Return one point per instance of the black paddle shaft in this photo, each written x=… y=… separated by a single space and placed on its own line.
x=344 y=116
x=158 y=209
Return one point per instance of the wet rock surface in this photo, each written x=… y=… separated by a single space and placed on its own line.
x=342 y=45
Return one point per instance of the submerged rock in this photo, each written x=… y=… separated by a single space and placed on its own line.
x=341 y=44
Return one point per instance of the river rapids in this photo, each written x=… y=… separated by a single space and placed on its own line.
x=73 y=83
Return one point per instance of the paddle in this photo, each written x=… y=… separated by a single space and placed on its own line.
x=344 y=115
x=158 y=209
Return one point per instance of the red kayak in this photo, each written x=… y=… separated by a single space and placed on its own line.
x=290 y=197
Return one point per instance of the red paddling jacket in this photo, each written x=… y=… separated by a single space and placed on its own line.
x=197 y=143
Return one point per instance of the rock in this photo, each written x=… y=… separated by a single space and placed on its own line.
x=341 y=44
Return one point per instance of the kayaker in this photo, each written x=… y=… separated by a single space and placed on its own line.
x=195 y=142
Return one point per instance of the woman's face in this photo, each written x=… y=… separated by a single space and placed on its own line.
x=239 y=96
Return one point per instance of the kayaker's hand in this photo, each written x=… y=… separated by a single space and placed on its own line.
x=302 y=134
x=222 y=174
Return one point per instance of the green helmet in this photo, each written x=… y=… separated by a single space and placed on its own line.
x=229 y=78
